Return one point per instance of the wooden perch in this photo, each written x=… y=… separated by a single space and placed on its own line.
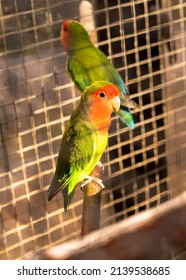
x=154 y=234
x=91 y=204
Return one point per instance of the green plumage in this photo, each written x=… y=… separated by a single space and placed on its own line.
x=87 y=64
x=81 y=148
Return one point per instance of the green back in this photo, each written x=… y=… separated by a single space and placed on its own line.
x=89 y=64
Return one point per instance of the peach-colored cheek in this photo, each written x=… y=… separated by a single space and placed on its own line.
x=64 y=40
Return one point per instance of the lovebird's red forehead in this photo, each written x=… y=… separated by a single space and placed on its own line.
x=110 y=90
x=65 y=24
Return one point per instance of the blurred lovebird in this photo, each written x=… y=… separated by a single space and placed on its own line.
x=87 y=64
x=85 y=139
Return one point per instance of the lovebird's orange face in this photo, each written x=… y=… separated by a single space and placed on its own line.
x=65 y=34
x=104 y=101
x=107 y=97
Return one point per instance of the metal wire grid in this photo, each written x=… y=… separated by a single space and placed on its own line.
x=146 y=183
x=31 y=112
x=37 y=98
x=176 y=103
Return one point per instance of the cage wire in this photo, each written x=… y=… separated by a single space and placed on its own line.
x=145 y=40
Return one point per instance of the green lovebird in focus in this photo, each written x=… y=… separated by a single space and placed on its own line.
x=87 y=64
x=85 y=138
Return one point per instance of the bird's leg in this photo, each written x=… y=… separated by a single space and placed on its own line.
x=89 y=179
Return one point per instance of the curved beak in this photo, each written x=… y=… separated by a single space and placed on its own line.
x=115 y=102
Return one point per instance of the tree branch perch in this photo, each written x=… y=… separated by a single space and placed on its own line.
x=91 y=204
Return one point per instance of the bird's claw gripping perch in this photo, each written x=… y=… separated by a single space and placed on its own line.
x=90 y=179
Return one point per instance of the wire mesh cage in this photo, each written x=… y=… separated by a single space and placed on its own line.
x=144 y=167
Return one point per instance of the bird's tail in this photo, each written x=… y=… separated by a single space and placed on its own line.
x=67 y=197
x=126 y=117
x=55 y=187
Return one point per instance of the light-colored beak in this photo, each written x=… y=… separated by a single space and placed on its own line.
x=115 y=103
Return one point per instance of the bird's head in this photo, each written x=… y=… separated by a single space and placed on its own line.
x=101 y=99
x=73 y=35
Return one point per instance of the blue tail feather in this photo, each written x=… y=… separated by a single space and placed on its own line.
x=126 y=117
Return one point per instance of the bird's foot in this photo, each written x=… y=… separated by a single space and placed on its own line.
x=101 y=166
x=90 y=179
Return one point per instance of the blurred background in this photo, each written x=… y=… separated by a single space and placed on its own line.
x=145 y=40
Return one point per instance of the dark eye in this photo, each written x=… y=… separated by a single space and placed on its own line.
x=102 y=94
x=65 y=29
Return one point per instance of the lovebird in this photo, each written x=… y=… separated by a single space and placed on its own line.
x=85 y=139
x=87 y=64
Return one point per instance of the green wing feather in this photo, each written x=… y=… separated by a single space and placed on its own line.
x=76 y=159
x=96 y=67
x=75 y=153
x=86 y=71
